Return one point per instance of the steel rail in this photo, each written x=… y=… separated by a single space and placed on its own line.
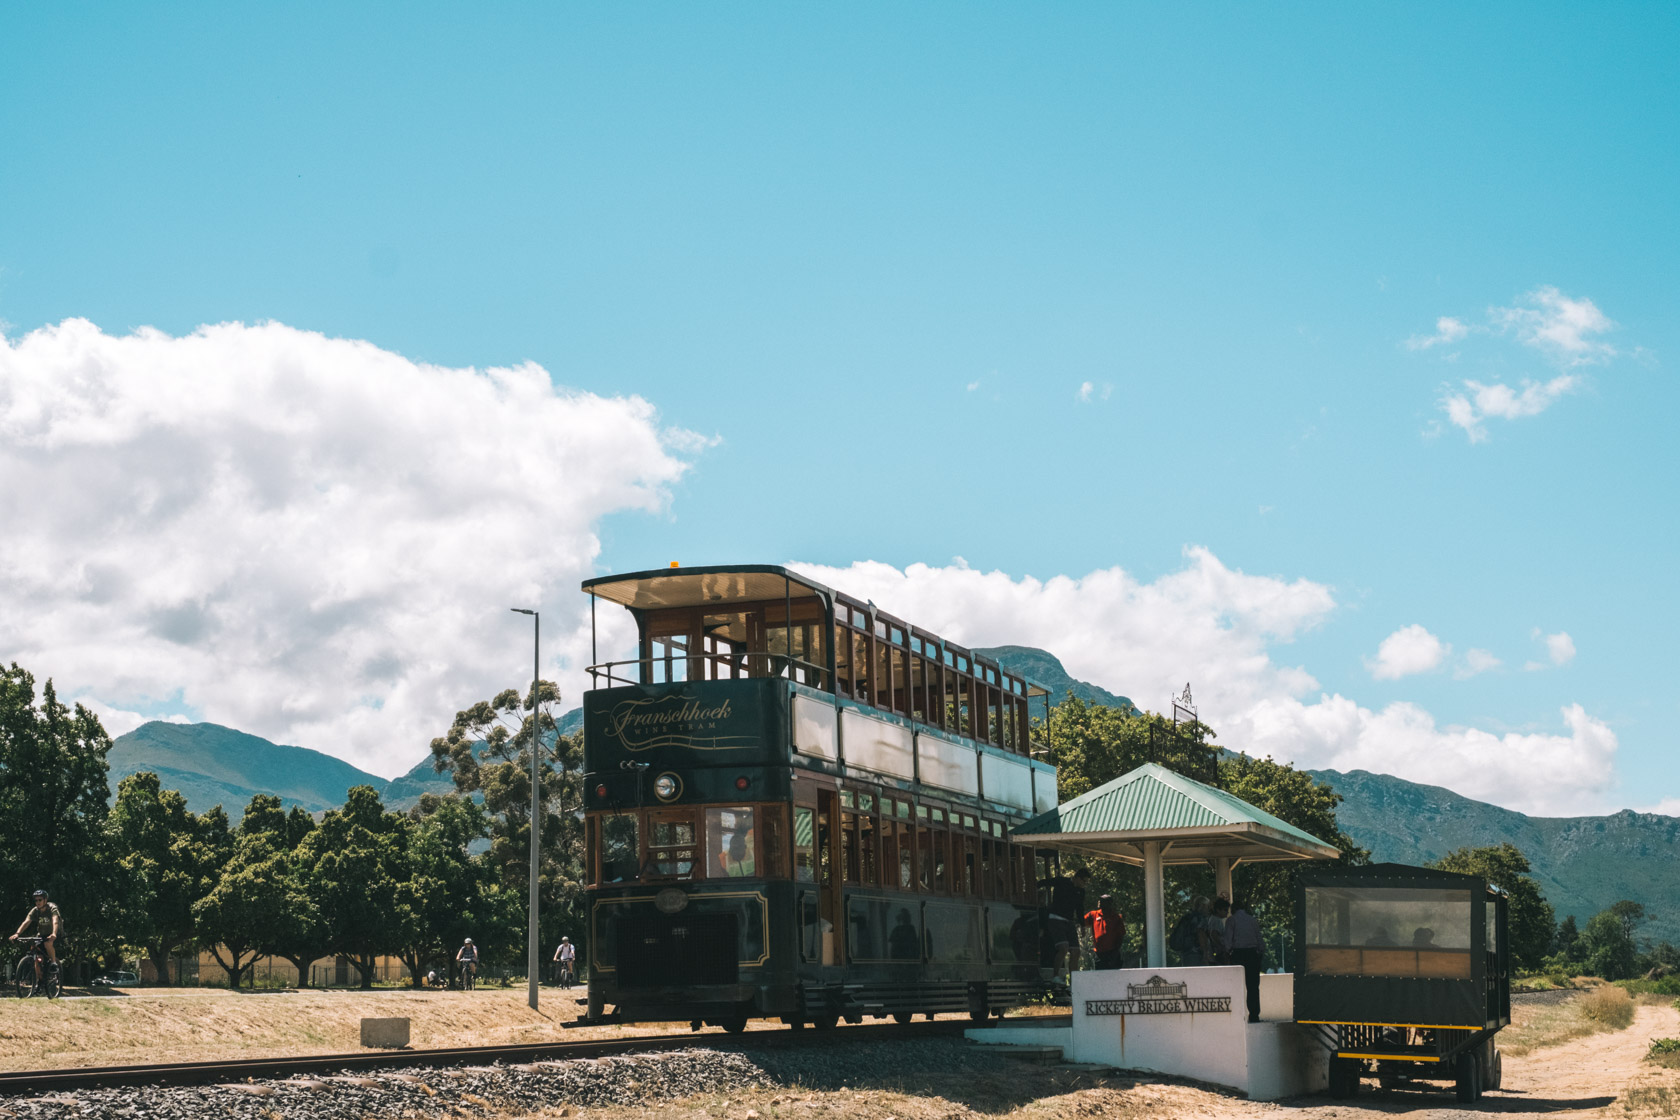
x=198 y=1073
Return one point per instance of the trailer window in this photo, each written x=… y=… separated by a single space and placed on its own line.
x=620 y=850
x=1388 y=931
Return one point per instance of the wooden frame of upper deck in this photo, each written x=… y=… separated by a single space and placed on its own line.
x=729 y=622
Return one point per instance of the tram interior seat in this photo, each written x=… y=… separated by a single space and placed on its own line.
x=1361 y=960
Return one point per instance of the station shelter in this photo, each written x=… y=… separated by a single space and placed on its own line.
x=1187 y=1022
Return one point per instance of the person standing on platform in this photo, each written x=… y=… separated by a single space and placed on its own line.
x=1243 y=944
x=1216 y=931
x=1066 y=904
x=1108 y=932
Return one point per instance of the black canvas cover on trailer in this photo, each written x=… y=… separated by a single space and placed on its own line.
x=1401 y=946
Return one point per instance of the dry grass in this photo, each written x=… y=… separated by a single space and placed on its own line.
x=1602 y=1008
x=209 y=1024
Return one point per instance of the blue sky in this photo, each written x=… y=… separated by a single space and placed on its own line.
x=875 y=254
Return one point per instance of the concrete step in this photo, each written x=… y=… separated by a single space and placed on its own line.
x=1043 y=1055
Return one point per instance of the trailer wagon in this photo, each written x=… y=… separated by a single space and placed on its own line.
x=1404 y=972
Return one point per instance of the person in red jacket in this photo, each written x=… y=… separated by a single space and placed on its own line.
x=1108 y=932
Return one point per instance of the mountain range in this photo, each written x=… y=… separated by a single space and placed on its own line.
x=1583 y=864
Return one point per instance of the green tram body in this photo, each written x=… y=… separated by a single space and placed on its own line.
x=1404 y=972
x=813 y=925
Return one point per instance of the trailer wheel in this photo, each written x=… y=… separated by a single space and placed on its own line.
x=1493 y=1068
x=1344 y=1078
x=1469 y=1072
x=825 y=1022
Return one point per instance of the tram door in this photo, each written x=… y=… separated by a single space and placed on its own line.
x=828 y=877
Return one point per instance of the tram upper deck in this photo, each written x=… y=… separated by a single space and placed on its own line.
x=757 y=666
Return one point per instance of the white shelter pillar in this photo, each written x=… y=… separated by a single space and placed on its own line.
x=1222 y=878
x=1154 y=907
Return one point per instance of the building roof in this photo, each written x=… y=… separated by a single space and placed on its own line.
x=1195 y=821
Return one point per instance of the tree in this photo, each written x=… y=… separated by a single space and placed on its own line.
x=1529 y=918
x=264 y=815
x=170 y=858
x=1093 y=743
x=254 y=894
x=487 y=751
x=1607 y=942
x=296 y=932
x=1567 y=944
x=353 y=865
x=53 y=794
x=444 y=899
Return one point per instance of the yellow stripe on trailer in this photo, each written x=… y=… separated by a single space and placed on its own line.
x=1387 y=1057
x=1414 y=1026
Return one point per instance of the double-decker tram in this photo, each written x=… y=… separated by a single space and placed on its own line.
x=799 y=807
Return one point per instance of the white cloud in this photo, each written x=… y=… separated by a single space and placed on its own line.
x=1557 y=326
x=1668 y=807
x=1218 y=628
x=1410 y=649
x=1561 y=648
x=1476 y=662
x=1477 y=402
x=1090 y=390
x=1085 y=391
x=973 y=385
x=311 y=539
x=1447 y=331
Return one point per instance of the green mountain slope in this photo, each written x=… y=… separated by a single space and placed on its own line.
x=1583 y=864
x=214 y=765
x=1043 y=668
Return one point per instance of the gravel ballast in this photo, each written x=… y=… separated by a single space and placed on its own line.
x=451 y=1091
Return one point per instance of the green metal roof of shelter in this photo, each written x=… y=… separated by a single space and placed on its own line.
x=1193 y=822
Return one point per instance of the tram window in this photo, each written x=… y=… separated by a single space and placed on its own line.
x=848 y=847
x=984 y=850
x=868 y=850
x=671 y=846
x=889 y=847
x=906 y=856
x=862 y=676
x=941 y=861
x=847 y=798
x=924 y=852
x=865 y=802
x=882 y=675
x=620 y=849
x=967 y=822
x=733 y=843
x=968 y=843
x=842 y=662
x=669 y=654
x=900 y=682
x=804 y=843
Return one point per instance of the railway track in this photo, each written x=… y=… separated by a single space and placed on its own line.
x=201 y=1073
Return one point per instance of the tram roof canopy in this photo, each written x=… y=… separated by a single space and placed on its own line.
x=663 y=588
x=1194 y=823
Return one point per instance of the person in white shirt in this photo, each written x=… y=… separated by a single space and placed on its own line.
x=566 y=957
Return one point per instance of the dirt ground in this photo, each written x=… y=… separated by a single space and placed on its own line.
x=200 y=1025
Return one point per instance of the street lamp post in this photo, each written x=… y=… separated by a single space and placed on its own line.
x=532 y=954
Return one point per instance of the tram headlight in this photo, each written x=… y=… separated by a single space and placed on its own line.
x=666 y=786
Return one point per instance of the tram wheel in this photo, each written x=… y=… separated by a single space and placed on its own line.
x=902 y=1018
x=825 y=1022
x=735 y=1024
x=794 y=1022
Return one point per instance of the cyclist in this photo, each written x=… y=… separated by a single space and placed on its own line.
x=48 y=925
x=467 y=958
x=566 y=957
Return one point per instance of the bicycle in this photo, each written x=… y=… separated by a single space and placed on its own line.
x=468 y=971
x=34 y=973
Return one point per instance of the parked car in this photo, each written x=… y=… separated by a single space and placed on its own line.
x=116 y=980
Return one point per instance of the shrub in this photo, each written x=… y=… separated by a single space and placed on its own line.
x=1609 y=1006
x=1664 y=1051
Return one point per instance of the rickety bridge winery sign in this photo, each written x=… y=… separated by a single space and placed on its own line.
x=1156 y=996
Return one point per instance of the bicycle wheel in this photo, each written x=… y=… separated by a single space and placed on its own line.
x=51 y=986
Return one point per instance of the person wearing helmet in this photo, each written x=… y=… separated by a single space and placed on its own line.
x=467 y=958
x=566 y=957
x=44 y=918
